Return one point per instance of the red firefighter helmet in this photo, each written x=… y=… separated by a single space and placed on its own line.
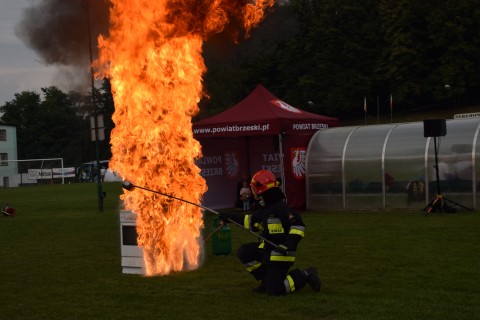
x=262 y=181
x=8 y=211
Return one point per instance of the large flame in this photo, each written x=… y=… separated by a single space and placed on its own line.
x=153 y=58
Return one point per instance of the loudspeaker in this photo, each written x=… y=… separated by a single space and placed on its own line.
x=434 y=128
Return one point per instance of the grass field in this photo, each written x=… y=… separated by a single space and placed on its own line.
x=60 y=259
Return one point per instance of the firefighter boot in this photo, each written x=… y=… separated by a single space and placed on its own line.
x=311 y=276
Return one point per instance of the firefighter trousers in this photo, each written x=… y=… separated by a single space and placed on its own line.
x=275 y=276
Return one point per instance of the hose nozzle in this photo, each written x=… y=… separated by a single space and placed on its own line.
x=127 y=185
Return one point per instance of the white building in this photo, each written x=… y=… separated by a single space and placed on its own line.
x=8 y=152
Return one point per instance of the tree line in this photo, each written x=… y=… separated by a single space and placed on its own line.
x=323 y=56
x=55 y=124
x=335 y=53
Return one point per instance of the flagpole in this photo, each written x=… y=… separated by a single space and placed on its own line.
x=365 y=108
x=391 y=108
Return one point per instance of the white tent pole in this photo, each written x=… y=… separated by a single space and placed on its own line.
x=63 y=176
x=280 y=151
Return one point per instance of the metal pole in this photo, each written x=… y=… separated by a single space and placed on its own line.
x=282 y=169
x=436 y=165
x=95 y=108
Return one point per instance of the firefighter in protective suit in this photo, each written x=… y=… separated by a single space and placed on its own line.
x=281 y=225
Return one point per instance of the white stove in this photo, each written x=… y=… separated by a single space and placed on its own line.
x=132 y=254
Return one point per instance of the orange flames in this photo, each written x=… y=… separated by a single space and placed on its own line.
x=153 y=59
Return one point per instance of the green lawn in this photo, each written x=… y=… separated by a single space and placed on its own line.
x=60 y=259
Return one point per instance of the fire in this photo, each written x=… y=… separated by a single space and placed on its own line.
x=153 y=59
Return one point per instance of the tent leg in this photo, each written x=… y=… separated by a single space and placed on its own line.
x=282 y=169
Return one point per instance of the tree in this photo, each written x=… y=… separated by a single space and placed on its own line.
x=50 y=128
x=334 y=53
x=21 y=112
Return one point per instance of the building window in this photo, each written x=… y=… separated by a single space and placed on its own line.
x=3 y=135
x=3 y=159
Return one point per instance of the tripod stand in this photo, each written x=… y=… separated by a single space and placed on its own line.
x=440 y=202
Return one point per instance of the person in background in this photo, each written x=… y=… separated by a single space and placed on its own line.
x=280 y=225
x=238 y=201
x=103 y=171
x=245 y=195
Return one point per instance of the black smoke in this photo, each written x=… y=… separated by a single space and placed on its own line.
x=57 y=30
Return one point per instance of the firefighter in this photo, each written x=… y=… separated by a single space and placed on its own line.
x=281 y=225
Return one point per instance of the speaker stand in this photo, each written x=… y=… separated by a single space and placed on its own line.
x=440 y=203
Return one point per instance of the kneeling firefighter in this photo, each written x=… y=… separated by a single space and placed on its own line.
x=282 y=226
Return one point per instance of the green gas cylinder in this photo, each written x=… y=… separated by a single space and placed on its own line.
x=222 y=239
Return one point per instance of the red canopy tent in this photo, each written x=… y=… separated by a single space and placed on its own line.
x=260 y=132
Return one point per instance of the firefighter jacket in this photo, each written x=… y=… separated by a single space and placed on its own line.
x=279 y=224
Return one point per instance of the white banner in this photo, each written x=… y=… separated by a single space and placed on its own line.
x=40 y=174
x=466 y=115
x=51 y=173
x=65 y=172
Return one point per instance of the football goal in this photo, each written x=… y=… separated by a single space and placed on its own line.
x=35 y=171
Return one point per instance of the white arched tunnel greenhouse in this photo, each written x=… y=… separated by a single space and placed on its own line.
x=393 y=166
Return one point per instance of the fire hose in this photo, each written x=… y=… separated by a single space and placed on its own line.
x=127 y=185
